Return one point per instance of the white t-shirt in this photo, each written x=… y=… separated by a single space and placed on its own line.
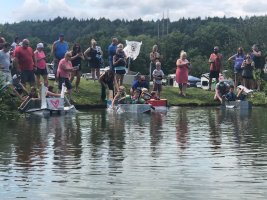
x=4 y=61
x=157 y=73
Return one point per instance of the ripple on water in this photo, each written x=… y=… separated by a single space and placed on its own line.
x=189 y=153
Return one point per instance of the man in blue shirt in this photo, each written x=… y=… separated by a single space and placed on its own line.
x=139 y=84
x=60 y=47
x=112 y=51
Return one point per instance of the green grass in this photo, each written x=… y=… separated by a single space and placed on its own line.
x=89 y=96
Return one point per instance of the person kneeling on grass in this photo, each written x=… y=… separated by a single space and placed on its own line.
x=107 y=80
x=32 y=101
x=18 y=88
x=221 y=90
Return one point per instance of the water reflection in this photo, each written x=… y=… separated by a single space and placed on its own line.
x=215 y=119
x=156 y=123
x=66 y=143
x=99 y=155
x=182 y=129
x=116 y=136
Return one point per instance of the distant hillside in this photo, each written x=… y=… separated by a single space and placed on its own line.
x=196 y=36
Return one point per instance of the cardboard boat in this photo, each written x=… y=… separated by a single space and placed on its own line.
x=48 y=106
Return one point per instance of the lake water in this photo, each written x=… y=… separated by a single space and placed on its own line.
x=186 y=153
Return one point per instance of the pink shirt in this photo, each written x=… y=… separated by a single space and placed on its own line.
x=40 y=58
x=62 y=72
x=182 y=63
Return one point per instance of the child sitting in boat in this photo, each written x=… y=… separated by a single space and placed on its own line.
x=120 y=96
x=135 y=96
x=145 y=94
x=230 y=96
x=50 y=93
x=154 y=95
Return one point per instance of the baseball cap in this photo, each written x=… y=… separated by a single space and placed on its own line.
x=40 y=45
x=61 y=35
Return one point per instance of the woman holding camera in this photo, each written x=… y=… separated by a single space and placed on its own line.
x=182 y=66
x=247 y=73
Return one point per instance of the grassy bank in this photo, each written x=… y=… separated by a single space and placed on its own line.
x=89 y=96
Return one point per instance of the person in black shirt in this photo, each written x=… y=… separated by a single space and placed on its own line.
x=107 y=80
x=76 y=60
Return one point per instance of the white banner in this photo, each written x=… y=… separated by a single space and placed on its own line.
x=132 y=49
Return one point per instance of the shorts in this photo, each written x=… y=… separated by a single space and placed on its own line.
x=5 y=76
x=214 y=74
x=67 y=82
x=42 y=72
x=94 y=65
x=120 y=71
x=27 y=76
x=77 y=73
x=157 y=87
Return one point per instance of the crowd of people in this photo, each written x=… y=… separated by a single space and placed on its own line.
x=29 y=65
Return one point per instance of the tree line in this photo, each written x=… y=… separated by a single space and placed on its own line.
x=195 y=36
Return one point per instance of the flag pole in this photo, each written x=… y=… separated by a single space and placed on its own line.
x=129 y=63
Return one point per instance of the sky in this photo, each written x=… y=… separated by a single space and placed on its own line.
x=18 y=10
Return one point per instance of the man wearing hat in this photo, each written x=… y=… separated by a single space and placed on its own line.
x=216 y=65
x=60 y=47
x=221 y=89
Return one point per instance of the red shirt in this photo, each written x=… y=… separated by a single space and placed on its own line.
x=216 y=65
x=25 y=58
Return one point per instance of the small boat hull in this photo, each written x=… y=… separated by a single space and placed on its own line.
x=47 y=112
x=134 y=108
x=159 y=105
x=238 y=105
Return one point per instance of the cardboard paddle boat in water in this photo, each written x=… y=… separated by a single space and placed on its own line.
x=240 y=104
x=129 y=108
x=48 y=106
x=237 y=105
x=151 y=105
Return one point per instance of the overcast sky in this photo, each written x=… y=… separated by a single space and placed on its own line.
x=18 y=10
